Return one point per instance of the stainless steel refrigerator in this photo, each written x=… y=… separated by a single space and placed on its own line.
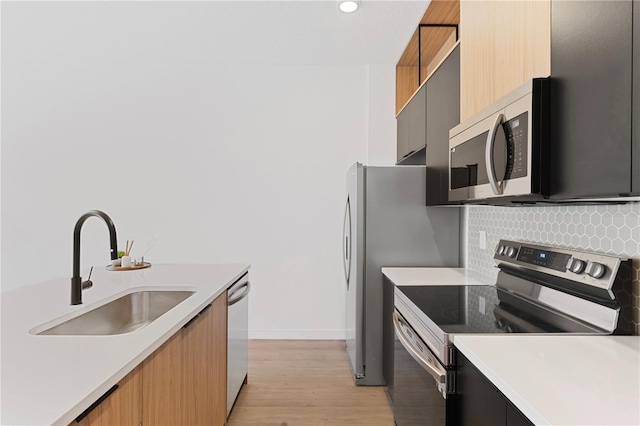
x=387 y=224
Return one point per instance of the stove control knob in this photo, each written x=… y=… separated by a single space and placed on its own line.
x=576 y=265
x=596 y=270
x=500 y=250
x=510 y=251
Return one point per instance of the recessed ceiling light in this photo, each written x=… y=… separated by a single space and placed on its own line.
x=348 y=6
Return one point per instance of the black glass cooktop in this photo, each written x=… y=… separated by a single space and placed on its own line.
x=485 y=309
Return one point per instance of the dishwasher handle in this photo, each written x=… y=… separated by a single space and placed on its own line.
x=233 y=297
x=427 y=361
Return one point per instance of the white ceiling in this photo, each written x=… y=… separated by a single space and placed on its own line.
x=242 y=32
x=313 y=32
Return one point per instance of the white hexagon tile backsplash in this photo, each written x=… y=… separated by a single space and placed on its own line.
x=610 y=229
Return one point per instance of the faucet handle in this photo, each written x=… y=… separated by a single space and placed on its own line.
x=88 y=283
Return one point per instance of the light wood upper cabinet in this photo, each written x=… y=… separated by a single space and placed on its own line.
x=407 y=80
x=436 y=35
x=503 y=44
x=121 y=407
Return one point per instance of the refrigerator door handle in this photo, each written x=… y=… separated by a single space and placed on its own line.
x=346 y=247
x=346 y=232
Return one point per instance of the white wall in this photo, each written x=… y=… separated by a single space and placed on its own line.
x=230 y=164
x=382 y=122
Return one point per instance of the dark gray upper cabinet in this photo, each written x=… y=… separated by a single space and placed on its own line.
x=418 y=113
x=402 y=123
x=591 y=99
x=635 y=150
x=411 y=122
x=443 y=113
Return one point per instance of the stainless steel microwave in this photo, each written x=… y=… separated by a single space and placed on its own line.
x=501 y=154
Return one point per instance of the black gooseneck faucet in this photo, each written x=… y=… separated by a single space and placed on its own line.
x=76 y=280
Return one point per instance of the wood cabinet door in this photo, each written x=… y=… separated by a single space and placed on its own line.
x=217 y=359
x=204 y=395
x=122 y=407
x=185 y=380
x=502 y=45
x=162 y=384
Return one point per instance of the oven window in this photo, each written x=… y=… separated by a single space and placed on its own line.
x=468 y=167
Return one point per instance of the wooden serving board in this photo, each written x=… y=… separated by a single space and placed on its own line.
x=131 y=268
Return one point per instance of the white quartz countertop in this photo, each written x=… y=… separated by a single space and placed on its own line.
x=52 y=379
x=436 y=276
x=562 y=380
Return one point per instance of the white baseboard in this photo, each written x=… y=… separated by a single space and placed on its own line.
x=298 y=334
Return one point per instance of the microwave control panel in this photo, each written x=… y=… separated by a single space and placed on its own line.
x=516 y=131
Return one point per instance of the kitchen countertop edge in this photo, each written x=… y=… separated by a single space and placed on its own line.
x=416 y=276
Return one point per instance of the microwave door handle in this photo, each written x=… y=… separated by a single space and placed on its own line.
x=488 y=156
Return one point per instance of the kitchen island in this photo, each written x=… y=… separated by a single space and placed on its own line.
x=53 y=379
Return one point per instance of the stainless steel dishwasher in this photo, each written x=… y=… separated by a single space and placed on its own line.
x=237 y=338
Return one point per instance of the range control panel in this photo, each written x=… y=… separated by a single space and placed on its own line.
x=593 y=269
x=546 y=258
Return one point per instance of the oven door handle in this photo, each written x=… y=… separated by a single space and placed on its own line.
x=488 y=156
x=429 y=363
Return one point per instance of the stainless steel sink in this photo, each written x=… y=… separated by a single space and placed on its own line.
x=128 y=313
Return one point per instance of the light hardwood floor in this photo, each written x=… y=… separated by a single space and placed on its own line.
x=306 y=383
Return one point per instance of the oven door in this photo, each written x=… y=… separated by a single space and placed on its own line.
x=420 y=394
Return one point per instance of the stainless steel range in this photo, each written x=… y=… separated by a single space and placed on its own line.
x=539 y=290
